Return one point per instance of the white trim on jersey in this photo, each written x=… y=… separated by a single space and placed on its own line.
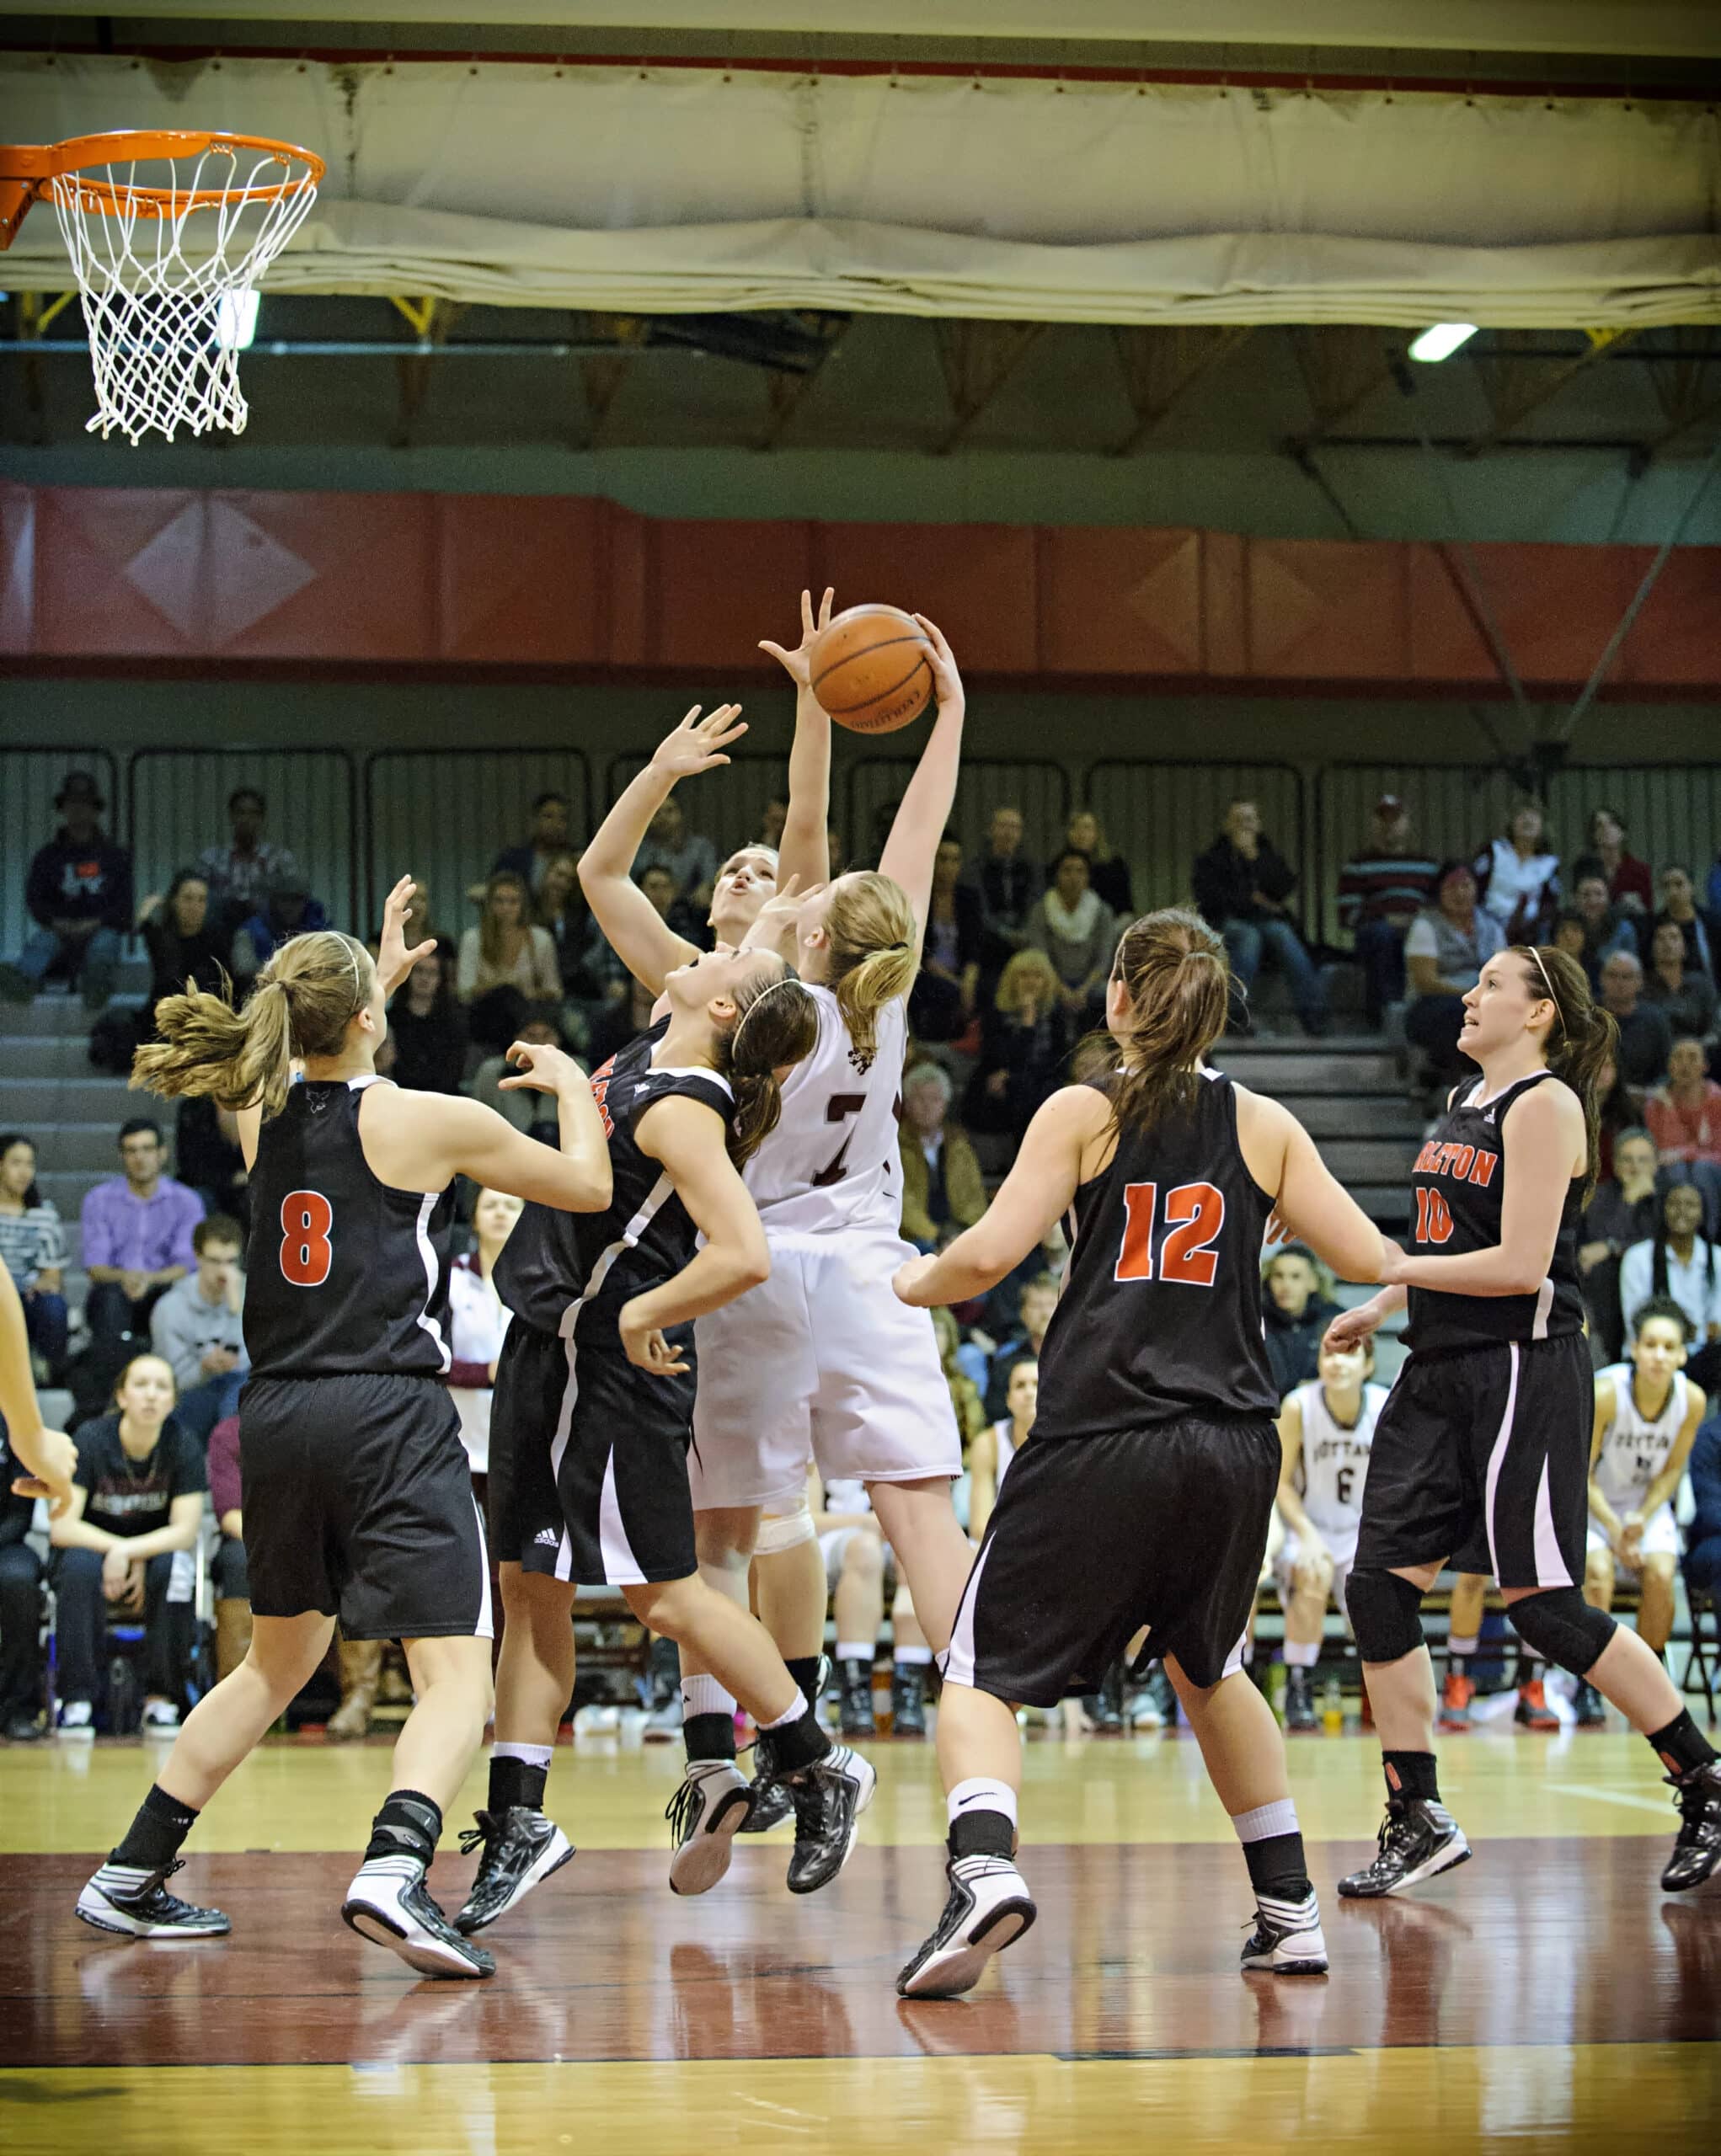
x=485 y=1628
x=621 y=1567
x=1497 y=1457
x=957 y=1666
x=1550 y=1566
x=1544 y=1304
x=659 y=1194
x=690 y=1070
x=427 y=1252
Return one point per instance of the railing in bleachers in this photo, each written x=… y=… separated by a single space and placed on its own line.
x=30 y=777
x=729 y=807
x=1672 y=813
x=444 y=815
x=1039 y=787
x=1455 y=809
x=1159 y=816
x=176 y=805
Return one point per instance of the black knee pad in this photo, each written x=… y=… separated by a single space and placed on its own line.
x=1385 y=1614
x=1563 y=1628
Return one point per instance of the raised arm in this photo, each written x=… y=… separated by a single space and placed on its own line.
x=421 y=1141
x=1281 y=1157
x=924 y=814
x=688 y=1138
x=646 y=945
x=805 y=850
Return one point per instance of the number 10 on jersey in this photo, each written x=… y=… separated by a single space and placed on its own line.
x=1195 y=1213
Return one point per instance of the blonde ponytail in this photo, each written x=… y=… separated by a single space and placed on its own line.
x=873 y=934
x=304 y=1000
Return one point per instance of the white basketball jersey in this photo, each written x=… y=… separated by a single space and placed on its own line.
x=832 y=1162
x=844 y=1496
x=1005 y=1433
x=1334 y=1459
x=1634 y=1450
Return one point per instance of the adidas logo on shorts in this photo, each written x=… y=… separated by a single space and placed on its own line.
x=548 y=1537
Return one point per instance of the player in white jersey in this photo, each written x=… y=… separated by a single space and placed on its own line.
x=1326 y=1428
x=990 y=1454
x=1647 y=1413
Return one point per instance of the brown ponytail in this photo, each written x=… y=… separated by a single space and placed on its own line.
x=777 y=1023
x=304 y=1000
x=1582 y=1039
x=1175 y=969
x=873 y=934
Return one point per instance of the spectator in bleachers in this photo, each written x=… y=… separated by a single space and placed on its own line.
x=1518 y=878
x=859 y=1568
x=550 y=830
x=1296 y=1310
x=659 y=885
x=78 y=892
x=1645 y=1037
x=33 y=1249
x=478 y=1324
x=994 y=1448
x=427 y=1029
x=1448 y=946
x=239 y=873
x=1605 y=929
x=1629 y=884
x=123 y=1548
x=1677 y=1261
x=591 y=971
x=1684 y=1118
x=941 y=1006
x=507 y=970
x=1109 y=871
x=1685 y=993
x=187 y=939
x=1023 y=1343
x=943 y=1189
x=22 y=1666
x=416 y=926
x=1078 y=933
x=198 y=1329
x=136 y=1235
x=531 y=1111
x=689 y=857
x=772 y=822
x=1382 y=889
x=1625 y=1210
x=1242 y=884
x=228 y=1574
x=613 y=1030
x=206 y=1153
x=288 y=909
x=1620 y=1109
x=1026 y=1037
x=1701 y=930
x=1009 y=883
x=1703 y=1533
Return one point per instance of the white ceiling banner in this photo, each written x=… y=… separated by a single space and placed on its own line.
x=684 y=190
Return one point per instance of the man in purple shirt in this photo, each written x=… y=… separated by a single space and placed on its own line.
x=136 y=1236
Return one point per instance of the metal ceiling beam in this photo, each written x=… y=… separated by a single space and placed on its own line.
x=432 y=319
x=786 y=389
x=1161 y=365
x=978 y=359
x=1342 y=366
x=1515 y=390
x=1686 y=381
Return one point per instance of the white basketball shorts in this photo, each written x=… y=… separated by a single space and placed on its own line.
x=1660 y=1538
x=1341 y=1548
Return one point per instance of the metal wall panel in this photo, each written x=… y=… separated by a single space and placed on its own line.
x=1159 y=816
x=1455 y=809
x=177 y=805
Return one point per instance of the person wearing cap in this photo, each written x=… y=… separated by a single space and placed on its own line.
x=1449 y=944
x=78 y=892
x=238 y=873
x=288 y=909
x=1381 y=892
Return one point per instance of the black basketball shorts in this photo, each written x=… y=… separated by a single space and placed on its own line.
x=588 y=1458
x=1093 y=1537
x=358 y=1503
x=1483 y=1457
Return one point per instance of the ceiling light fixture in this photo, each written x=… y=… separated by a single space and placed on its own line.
x=1441 y=342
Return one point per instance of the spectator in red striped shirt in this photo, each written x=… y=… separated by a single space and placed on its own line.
x=1381 y=892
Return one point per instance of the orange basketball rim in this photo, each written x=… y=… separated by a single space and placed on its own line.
x=34 y=172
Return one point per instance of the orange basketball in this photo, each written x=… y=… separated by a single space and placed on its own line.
x=870 y=669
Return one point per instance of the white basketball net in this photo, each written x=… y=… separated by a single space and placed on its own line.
x=165 y=285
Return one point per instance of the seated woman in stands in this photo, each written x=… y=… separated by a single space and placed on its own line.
x=1027 y=1034
x=33 y=1250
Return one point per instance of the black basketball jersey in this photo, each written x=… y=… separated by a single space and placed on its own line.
x=1458 y=1184
x=343 y=1274
x=1160 y=1315
x=557 y=1264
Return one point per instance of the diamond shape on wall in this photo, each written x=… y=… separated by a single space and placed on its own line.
x=214 y=573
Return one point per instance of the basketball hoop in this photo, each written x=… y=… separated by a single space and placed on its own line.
x=169 y=234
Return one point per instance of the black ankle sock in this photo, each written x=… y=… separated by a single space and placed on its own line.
x=1682 y=1747
x=514 y=1781
x=162 y=1824
x=1277 y=1866
x=982 y=1833
x=1411 y=1773
x=797 y=1743
x=1457 y=1665
x=410 y=1823
x=1529 y=1667
x=805 y=1670
x=709 y=1736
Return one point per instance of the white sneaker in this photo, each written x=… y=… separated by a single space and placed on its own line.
x=76 y=1721
x=161 y=1718
x=1286 y=1938
x=595 y=1721
x=389 y=1903
x=989 y=1908
x=705 y=1815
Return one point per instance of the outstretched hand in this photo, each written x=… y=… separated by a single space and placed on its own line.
x=540 y=1067
x=775 y=922
x=946 y=680
x=698 y=743
x=394 y=962
x=799 y=663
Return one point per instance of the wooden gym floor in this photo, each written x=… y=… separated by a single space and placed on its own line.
x=1546 y=1996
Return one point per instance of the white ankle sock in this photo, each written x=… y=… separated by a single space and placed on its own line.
x=789 y=1714
x=531 y=1755
x=1464 y=1648
x=854 y=1650
x=912 y=1658
x=980 y=1793
x=704 y=1695
x=1266 y=1820
x=1301 y=1654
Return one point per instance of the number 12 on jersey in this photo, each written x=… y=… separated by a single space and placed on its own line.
x=1193 y=1215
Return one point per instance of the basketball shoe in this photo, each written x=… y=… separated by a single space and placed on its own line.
x=127 y=1899
x=1697 y=1848
x=1418 y=1837
x=1287 y=1937
x=988 y=1908
x=1299 y=1700
x=908 y=1700
x=389 y=1903
x=854 y=1681
x=829 y=1796
x=1456 y=1695
x=1592 y=1713
x=705 y=1815
x=520 y=1847
x=1532 y=1711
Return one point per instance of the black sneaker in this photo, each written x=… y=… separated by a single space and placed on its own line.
x=772 y=1804
x=1299 y=1700
x=705 y=1815
x=520 y=1847
x=854 y=1681
x=988 y=1908
x=1590 y=1707
x=908 y=1700
x=1698 y=1850
x=829 y=1796
x=127 y=1899
x=1417 y=1838
x=389 y=1903
x=1286 y=1938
